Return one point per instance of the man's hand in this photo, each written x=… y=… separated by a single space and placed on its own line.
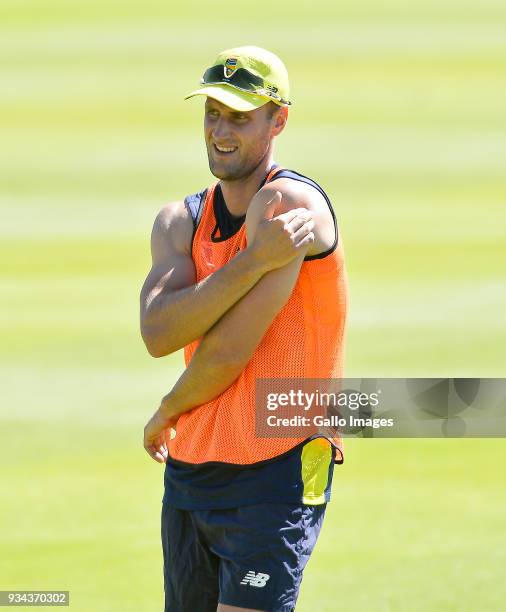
x=276 y=241
x=155 y=431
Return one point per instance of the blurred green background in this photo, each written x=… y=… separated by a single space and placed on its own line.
x=399 y=114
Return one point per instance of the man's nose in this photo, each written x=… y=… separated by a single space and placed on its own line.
x=221 y=129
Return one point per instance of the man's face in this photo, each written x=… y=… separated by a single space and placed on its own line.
x=236 y=141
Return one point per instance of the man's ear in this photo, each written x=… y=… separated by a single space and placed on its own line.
x=281 y=117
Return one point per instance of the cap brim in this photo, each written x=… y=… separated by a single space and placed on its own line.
x=241 y=101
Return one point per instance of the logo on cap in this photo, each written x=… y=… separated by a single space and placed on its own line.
x=230 y=67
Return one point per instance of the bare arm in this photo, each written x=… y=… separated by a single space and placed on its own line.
x=174 y=310
x=281 y=242
x=229 y=345
x=220 y=362
x=218 y=367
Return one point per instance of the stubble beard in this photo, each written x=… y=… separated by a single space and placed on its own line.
x=236 y=172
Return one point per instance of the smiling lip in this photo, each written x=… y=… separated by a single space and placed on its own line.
x=224 y=150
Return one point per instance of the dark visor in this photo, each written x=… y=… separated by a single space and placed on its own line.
x=242 y=79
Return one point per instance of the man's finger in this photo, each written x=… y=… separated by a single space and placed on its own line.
x=155 y=454
x=290 y=215
x=306 y=241
x=159 y=457
x=160 y=444
x=300 y=221
x=304 y=229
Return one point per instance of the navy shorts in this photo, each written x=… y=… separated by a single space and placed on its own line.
x=251 y=556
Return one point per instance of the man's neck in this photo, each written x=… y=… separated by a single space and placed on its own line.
x=238 y=194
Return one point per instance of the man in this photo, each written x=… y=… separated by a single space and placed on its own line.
x=248 y=276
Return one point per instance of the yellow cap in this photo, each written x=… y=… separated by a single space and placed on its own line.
x=245 y=78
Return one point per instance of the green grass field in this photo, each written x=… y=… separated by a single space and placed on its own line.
x=399 y=113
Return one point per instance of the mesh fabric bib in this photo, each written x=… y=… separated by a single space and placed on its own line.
x=305 y=340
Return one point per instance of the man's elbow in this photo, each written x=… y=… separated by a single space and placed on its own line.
x=156 y=351
x=154 y=344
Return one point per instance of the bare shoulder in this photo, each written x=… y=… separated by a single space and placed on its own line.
x=296 y=194
x=170 y=251
x=173 y=216
x=172 y=228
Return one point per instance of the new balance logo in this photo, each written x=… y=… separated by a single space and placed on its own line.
x=256 y=580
